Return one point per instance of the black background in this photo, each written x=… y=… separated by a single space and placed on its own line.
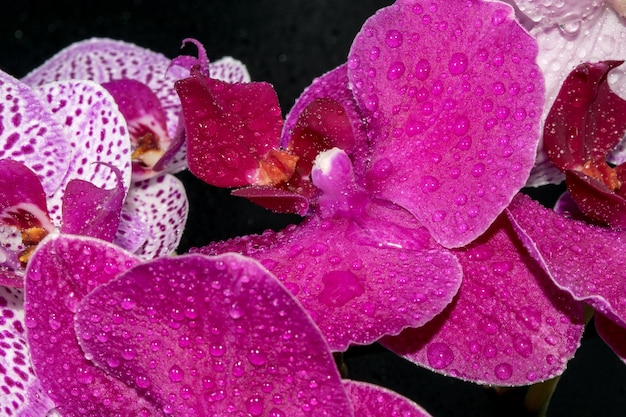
x=287 y=43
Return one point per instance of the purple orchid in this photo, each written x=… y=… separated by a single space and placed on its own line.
x=54 y=172
x=189 y=335
x=444 y=150
x=141 y=82
x=570 y=33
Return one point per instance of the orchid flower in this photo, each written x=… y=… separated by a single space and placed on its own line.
x=55 y=174
x=570 y=33
x=188 y=335
x=445 y=149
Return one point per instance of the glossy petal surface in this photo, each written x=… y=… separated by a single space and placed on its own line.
x=211 y=336
x=155 y=213
x=359 y=279
x=600 y=280
x=21 y=393
x=60 y=273
x=374 y=401
x=507 y=326
x=454 y=97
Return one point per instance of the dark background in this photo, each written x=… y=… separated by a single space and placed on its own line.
x=287 y=43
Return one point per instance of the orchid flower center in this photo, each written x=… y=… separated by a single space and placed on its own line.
x=277 y=167
x=33 y=225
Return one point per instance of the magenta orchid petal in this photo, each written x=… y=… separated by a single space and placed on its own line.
x=613 y=334
x=97 y=133
x=456 y=112
x=359 y=279
x=230 y=128
x=599 y=280
x=373 y=401
x=31 y=135
x=103 y=60
x=508 y=324
x=65 y=268
x=22 y=395
x=154 y=216
x=332 y=85
x=92 y=211
x=234 y=333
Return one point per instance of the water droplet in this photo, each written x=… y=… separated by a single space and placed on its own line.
x=257 y=358
x=439 y=355
x=422 y=69
x=478 y=170
x=498 y=88
x=464 y=143
x=504 y=371
x=438 y=216
x=238 y=369
x=217 y=350
x=371 y=102
x=396 y=70
x=460 y=199
x=501 y=267
x=429 y=184
x=340 y=287
x=461 y=125
x=275 y=412
x=458 y=63
x=128 y=303
x=255 y=406
x=394 y=38
x=176 y=374
x=523 y=345
x=142 y=381
x=235 y=311
x=374 y=53
x=490 y=325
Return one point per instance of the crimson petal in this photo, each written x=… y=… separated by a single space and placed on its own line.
x=211 y=336
x=374 y=401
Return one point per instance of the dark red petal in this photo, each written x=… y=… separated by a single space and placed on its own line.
x=587 y=118
x=230 y=128
x=596 y=200
x=275 y=199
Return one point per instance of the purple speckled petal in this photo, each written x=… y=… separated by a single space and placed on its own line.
x=333 y=85
x=613 y=334
x=359 y=279
x=97 y=131
x=568 y=13
x=374 y=401
x=22 y=396
x=92 y=211
x=508 y=325
x=103 y=60
x=587 y=261
x=229 y=70
x=160 y=205
x=238 y=342
x=64 y=269
x=30 y=134
x=453 y=98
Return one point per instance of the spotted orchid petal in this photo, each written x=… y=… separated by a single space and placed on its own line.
x=238 y=342
x=600 y=280
x=102 y=60
x=97 y=133
x=154 y=216
x=22 y=395
x=567 y=13
x=597 y=38
x=454 y=97
x=374 y=401
x=31 y=135
x=507 y=326
x=65 y=268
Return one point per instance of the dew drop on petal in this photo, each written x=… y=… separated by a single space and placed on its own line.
x=422 y=69
x=257 y=358
x=503 y=371
x=394 y=38
x=439 y=355
x=429 y=184
x=176 y=374
x=458 y=63
x=395 y=71
x=255 y=406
